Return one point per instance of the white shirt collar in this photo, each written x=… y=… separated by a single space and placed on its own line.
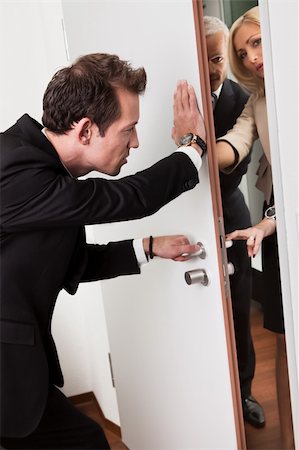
x=218 y=92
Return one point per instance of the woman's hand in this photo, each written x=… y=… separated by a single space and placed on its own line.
x=176 y=247
x=254 y=235
x=186 y=115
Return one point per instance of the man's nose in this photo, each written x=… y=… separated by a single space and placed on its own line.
x=134 y=141
x=212 y=68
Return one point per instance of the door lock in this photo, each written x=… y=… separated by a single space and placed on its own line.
x=197 y=276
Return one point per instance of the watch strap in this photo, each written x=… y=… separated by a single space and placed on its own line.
x=200 y=142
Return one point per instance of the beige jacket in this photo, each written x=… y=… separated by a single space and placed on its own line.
x=251 y=125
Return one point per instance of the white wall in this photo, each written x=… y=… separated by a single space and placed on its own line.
x=79 y=329
x=80 y=332
x=31 y=50
x=214 y=8
x=70 y=334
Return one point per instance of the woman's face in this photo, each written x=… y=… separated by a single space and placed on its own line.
x=248 y=46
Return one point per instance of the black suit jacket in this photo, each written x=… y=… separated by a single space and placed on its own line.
x=229 y=106
x=236 y=216
x=43 y=250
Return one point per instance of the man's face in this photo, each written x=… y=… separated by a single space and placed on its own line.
x=218 y=59
x=110 y=153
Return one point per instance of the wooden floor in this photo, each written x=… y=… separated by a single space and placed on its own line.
x=263 y=389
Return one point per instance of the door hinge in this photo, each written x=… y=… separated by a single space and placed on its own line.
x=224 y=257
x=111 y=370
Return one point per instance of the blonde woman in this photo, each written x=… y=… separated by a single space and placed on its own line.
x=246 y=60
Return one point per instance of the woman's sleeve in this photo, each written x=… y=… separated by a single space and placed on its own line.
x=242 y=136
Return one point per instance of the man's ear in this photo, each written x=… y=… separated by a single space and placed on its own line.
x=84 y=130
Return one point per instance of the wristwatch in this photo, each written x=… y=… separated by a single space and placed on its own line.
x=190 y=138
x=270 y=213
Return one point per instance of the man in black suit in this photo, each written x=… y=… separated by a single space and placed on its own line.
x=89 y=123
x=228 y=100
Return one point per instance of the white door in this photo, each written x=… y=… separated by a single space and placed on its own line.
x=168 y=340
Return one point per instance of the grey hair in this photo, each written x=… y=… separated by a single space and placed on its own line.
x=213 y=25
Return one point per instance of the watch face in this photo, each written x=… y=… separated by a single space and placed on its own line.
x=270 y=213
x=186 y=139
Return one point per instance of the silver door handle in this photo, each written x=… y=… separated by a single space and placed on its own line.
x=202 y=251
x=197 y=276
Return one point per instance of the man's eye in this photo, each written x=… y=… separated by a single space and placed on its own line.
x=217 y=59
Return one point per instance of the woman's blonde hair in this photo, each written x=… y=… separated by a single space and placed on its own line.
x=251 y=82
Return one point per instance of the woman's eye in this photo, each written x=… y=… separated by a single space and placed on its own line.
x=257 y=42
x=242 y=55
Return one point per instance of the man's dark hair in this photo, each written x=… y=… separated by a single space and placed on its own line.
x=88 y=89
